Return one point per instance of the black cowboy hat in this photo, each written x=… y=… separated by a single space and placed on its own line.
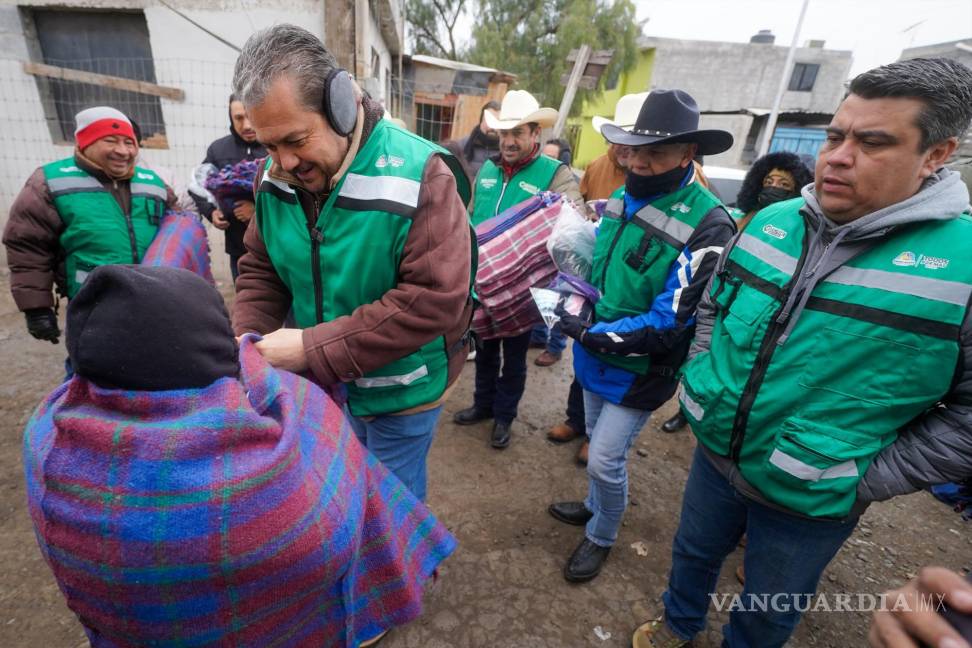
x=669 y=117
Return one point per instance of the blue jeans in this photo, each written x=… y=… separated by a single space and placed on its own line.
x=555 y=340
x=401 y=443
x=612 y=429
x=785 y=554
x=500 y=393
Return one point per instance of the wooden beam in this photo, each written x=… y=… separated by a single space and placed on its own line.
x=580 y=62
x=104 y=80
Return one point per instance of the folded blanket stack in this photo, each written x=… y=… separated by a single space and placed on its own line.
x=513 y=258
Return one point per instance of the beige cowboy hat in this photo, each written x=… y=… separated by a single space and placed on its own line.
x=625 y=112
x=518 y=108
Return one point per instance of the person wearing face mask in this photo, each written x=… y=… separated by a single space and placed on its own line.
x=232 y=216
x=656 y=248
x=772 y=178
x=94 y=208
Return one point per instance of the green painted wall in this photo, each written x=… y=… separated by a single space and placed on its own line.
x=591 y=145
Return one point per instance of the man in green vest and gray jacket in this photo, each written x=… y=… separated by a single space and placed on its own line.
x=517 y=173
x=93 y=208
x=360 y=230
x=832 y=365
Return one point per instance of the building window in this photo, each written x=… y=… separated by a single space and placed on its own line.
x=804 y=74
x=112 y=43
x=433 y=122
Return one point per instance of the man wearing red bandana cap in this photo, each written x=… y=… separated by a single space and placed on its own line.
x=93 y=208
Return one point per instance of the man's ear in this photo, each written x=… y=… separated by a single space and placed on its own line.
x=937 y=155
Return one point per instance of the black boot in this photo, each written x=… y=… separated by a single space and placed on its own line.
x=501 y=435
x=570 y=513
x=471 y=415
x=674 y=424
x=586 y=562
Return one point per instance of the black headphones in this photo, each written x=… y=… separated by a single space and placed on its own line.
x=339 y=103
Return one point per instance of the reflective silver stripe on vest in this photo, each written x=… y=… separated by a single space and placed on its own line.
x=942 y=290
x=391 y=188
x=806 y=472
x=282 y=186
x=69 y=184
x=658 y=219
x=693 y=408
x=145 y=189
x=767 y=253
x=390 y=381
x=614 y=206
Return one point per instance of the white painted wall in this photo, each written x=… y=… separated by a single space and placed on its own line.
x=374 y=39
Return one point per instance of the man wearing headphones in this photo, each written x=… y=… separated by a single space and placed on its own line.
x=361 y=229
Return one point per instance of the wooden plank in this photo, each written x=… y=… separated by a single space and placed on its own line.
x=598 y=57
x=585 y=82
x=572 y=82
x=104 y=80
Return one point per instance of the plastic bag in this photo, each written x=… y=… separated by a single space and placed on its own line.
x=571 y=244
x=197 y=182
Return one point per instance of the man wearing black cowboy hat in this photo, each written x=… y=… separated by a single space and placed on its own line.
x=656 y=248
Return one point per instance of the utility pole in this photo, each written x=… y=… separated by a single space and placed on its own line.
x=784 y=79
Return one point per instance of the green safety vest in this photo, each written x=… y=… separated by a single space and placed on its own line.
x=876 y=346
x=352 y=255
x=493 y=194
x=633 y=256
x=96 y=230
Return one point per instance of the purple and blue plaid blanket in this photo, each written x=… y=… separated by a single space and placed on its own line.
x=180 y=242
x=244 y=513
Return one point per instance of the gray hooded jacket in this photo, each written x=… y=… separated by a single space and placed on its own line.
x=936 y=447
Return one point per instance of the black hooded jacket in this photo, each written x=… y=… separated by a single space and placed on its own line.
x=225 y=151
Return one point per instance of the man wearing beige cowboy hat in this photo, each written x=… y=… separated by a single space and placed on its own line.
x=516 y=174
x=655 y=250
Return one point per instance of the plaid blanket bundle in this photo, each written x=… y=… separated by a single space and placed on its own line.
x=181 y=242
x=510 y=263
x=244 y=513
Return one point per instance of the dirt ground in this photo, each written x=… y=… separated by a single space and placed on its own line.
x=503 y=587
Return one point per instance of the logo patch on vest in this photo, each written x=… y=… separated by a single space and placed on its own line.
x=526 y=186
x=774 y=231
x=680 y=207
x=392 y=160
x=905 y=259
x=145 y=176
x=487 y=183
x=69 y=169
x=909 y=259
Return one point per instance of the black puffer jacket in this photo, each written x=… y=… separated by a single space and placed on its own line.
x=225 y=151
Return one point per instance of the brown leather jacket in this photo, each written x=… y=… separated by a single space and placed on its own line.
x=33 y=232
x=432 y=298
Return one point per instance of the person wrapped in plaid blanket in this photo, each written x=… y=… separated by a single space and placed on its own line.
x=186 y=493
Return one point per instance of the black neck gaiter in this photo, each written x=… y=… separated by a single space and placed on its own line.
x=639 y=186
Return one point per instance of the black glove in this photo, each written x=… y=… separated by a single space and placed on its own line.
x=42 y=324
x=573 y=326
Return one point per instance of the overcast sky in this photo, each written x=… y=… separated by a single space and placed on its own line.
x=875 y=30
